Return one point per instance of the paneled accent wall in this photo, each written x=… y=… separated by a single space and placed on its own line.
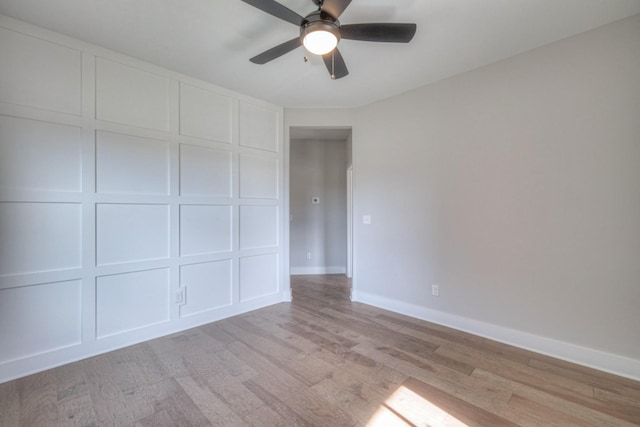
x=134 y=201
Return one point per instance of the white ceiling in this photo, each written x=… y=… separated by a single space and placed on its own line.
x=213 y=40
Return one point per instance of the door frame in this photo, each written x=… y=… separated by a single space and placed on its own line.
x=349 y=272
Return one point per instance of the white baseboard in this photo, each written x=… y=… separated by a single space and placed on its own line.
x=612 y=363
x=318 y=270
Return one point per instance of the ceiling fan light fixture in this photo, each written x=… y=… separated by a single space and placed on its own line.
x=320 y=42
x=320 y=37
x=320 y=32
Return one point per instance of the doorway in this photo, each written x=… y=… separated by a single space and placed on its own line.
x=320 y=194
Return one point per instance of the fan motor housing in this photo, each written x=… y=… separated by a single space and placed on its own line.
x=320 y=20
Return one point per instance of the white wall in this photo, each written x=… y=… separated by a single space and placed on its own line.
x=122 y=184
x=318 y=169
x=515 y=188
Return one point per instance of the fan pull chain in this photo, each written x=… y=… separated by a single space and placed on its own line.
x=306 y=58
x=333 y=65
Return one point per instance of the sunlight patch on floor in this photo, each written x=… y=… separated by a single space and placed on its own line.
x=407 y=408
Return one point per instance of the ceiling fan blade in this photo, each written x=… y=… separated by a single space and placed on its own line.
x=384 y=32
x=275 y=52
x=335 y=7
x=335 y=64
x=276 y=9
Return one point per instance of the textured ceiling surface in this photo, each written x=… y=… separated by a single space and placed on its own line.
x=212 y=40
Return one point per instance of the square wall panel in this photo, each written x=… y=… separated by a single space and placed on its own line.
x=258 y=177
x=204 y=114
x=39 y=156
x=204 y=172
x=258 y=127
x=129 y=301
x=37 y=237
x=130 y=232
x=204 y=229
x=40 y=318
x=208 y=286
x=40 y=74
x=258 y=227
x=131 y=165
x=258 y=276
x=131 y=96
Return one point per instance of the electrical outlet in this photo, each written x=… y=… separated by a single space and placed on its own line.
x=308 y=255
x=435 y=290
x=179 y=296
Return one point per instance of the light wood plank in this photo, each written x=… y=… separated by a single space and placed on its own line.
x=77 y=411
x=555 y=402
x=38 y=399
x=352 y=403
x=109 y=404
x=9 y=404
x=212 y=407
x=460 y=409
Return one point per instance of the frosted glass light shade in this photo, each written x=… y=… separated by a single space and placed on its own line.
x=320 y=42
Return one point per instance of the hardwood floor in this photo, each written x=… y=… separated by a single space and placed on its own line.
x=321 y=361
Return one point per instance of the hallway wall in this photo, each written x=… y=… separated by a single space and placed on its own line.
x=318 y=169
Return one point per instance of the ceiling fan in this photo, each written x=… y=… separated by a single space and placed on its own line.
x=320 y=32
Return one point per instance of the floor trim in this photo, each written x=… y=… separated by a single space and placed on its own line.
x=318 y=270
